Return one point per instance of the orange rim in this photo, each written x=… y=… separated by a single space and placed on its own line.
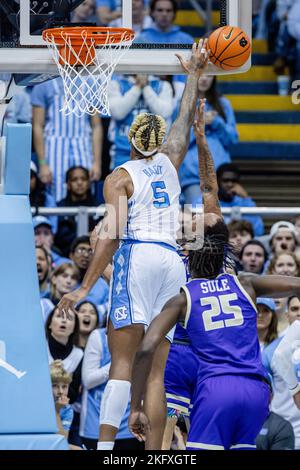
x=99 y=35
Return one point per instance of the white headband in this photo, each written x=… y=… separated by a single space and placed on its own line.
x=146 y=154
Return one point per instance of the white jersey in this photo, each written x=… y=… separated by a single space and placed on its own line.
x=153 y=209
x=282 y=402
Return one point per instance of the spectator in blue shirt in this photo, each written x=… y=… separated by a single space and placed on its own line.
x=63 y=140
x=84 y=13
x=163 y=13
x=111 y=10
x=44 y=236
x=108 y=10
x=232 y=193
x=140 y=20
x=43 y=265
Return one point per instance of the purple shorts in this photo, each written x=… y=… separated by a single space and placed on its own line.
x=180 y=377
x=228 y=413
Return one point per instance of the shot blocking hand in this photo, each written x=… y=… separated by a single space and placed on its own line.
x=198 y=60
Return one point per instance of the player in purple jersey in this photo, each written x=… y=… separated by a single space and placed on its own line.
x=139 y=217
x=219 y=313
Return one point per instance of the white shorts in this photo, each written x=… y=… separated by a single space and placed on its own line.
x=145 y=277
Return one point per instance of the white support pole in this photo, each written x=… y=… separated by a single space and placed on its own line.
x=234 y=10
x=126 y=14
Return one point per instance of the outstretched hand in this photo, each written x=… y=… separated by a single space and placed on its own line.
x=199 y=123
x=139 y=425
x=198 y=59
x=68 y=301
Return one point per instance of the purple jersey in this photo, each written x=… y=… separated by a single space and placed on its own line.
x=221 y=324
x=180 y=334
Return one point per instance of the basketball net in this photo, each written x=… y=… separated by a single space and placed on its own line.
x=85 y=71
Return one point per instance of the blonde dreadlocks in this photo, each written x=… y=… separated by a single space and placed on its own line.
x=147 y=133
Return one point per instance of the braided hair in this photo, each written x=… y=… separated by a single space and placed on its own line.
x=148 y=131
x=214 y=253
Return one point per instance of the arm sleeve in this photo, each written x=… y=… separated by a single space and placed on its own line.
x=122 y=105
x=226 y=131
x=92 y=374
x=283 y=357
x=161 y=103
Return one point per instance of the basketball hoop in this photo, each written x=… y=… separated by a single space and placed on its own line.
x=87 y=73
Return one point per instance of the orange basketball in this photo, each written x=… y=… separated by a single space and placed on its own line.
x=229 y=47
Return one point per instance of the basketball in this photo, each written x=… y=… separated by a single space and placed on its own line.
x=230 y=47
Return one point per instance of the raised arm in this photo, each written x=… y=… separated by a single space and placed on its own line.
x=116 y=195
x=173 y=311
x=207 y=172
x=179 y=136
x=270 y=286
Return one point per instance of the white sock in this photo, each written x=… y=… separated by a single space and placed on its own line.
x=105 y=445
x=114 y=402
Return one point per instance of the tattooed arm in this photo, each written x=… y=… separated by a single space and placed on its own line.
x=179 y=136
x=207 y=172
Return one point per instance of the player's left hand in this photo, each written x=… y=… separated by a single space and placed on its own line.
x=139 y=425
x=198 y=60
x=69 y=300
x=95 y=172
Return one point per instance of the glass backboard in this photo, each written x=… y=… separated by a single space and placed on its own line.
x=23 y=51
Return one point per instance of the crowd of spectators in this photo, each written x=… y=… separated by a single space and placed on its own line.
x=278 y=21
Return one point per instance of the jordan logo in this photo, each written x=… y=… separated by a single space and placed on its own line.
x=5 y=365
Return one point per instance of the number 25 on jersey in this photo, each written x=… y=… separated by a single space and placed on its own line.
x=220 y=305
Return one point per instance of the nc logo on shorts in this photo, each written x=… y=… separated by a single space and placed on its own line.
x=120 y=313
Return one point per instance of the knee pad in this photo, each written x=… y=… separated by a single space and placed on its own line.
x=114 y=402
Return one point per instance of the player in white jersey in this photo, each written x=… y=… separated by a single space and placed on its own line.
x=142 y=198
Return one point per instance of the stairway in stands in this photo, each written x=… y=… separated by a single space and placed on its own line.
x=268 y=152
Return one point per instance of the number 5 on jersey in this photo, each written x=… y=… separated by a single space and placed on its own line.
x=161 y=198
x=220 y=305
